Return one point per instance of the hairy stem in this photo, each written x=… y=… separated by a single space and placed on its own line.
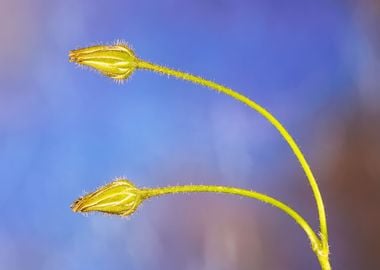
x=314 y=240
x=267 y=115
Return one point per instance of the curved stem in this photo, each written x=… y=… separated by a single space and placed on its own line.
x=314 y=240
x=267 y=115
x=154 y=192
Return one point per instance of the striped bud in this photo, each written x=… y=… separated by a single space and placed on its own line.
x=115 y=61
x=120 y=197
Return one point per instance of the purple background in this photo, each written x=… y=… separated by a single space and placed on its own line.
x=64 y=131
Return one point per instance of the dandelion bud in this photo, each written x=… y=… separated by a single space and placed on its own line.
x=115 y=61
x=120 y=197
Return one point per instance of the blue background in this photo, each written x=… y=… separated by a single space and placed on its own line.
x=65 y=131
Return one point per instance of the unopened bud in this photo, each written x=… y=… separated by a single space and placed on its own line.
x=115 y=61
x=120 y=197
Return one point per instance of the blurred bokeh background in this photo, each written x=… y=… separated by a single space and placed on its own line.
x=65 y=131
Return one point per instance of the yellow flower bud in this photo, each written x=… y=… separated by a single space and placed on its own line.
x=115 y=61
x=120 y=197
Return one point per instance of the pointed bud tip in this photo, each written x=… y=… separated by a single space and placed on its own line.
x=76 y=205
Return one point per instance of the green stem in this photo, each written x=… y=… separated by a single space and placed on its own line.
x=267 y=115
x=153 y=192
x=314 y=240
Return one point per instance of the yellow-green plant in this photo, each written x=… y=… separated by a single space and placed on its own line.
x=122 y=198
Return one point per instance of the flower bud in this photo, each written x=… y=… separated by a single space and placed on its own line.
x=120 y=197
x=115 y=61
